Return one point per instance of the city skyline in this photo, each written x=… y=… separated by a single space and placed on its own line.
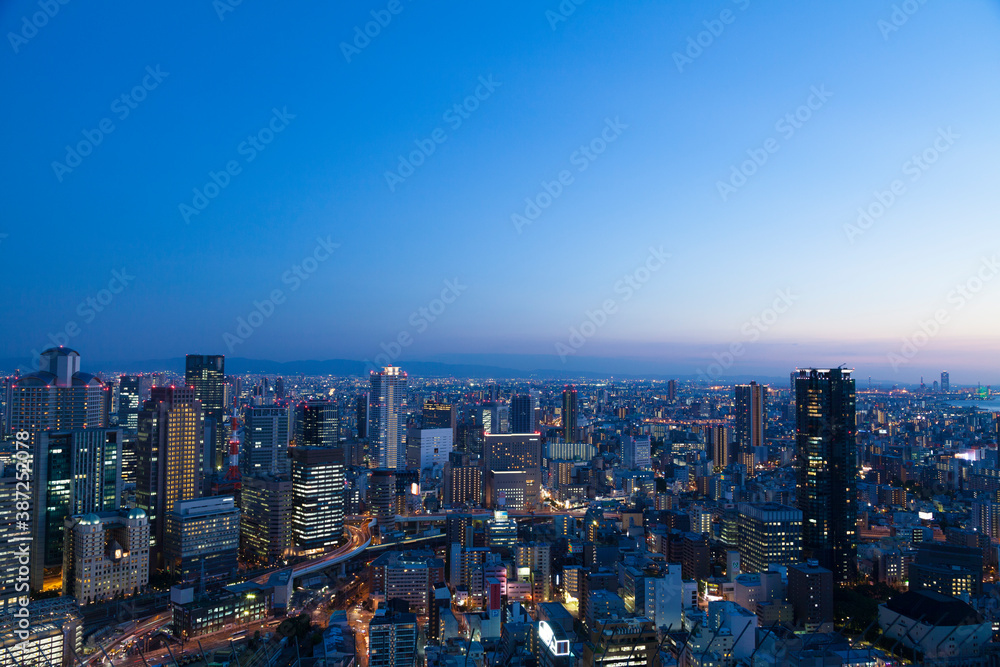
x=652 y=220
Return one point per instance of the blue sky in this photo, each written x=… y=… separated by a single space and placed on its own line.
x=889 y=94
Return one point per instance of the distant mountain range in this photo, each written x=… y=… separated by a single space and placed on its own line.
x=349 y=367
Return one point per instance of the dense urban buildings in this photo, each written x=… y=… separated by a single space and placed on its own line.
x=76 y=472
x=505 y=545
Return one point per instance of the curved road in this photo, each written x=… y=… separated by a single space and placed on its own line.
x=361 y=539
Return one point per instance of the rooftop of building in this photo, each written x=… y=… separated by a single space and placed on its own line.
x=934 y=609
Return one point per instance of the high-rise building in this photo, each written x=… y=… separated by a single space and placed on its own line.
x=768 y=534
x=107 y=555
x=202 y=540
x=387 y=426
x=945 y=381
x=169 y=462
x=428 y=447
x=382 y=497
x=501 y=531
x=810 y=592
x=522 y=414
x=464 y=484
x=265 y=441
x=516 y=452
x=266 y=519
x=570 y=415
x=508 y=490
x=207 y=374
x=636 y=452
x=671 y=390
x=129 y=402
x=317 y=424
x=718 y=445
x=76 y=472
x=392 y=640
x=826 y=481
x=50 y=632
x=986 y=517
x=401 y=576
x=318 y=485
x=438 y=415
x=537 y=558
x=58 y=397
x=751 y=417
x=361 y=408
x=12 y=538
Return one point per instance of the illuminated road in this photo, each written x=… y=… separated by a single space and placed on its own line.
x=149 y=625
x=361 y=539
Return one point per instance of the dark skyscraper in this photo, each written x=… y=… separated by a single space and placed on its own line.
x=522 y=414
x=207 y=374
x=945 y=381
x=826 y=482
x=437 y=415
x=570 y=415
x=361 y=407
x=129 y=402
x=317 y=424
x=751 y=417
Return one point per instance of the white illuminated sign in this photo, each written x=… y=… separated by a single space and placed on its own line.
x=547 y=637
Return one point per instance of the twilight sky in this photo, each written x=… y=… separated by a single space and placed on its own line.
x=613 y=138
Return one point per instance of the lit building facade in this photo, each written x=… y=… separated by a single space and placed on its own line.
x=106 y=555
x=387 y=427
x=318 y=482
x=202 y=539
x=169 y=457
